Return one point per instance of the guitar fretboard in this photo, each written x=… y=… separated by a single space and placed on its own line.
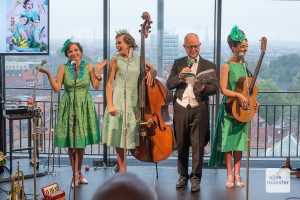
x=256 y=71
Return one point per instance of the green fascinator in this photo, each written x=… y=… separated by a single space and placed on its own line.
x=66 y=43
x=121 y=31
x=237 y=35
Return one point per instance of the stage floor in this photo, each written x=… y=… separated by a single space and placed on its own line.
x=212 y=184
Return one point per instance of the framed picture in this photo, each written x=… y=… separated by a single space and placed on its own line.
x=24 y=27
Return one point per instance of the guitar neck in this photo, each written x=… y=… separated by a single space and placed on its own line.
x=256 y=71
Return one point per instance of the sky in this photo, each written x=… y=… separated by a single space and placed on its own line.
x=277 y=20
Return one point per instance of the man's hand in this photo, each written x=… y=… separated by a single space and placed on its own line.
x=184 y=70
x=199 y=86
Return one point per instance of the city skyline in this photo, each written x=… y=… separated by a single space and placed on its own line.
x=252 y=16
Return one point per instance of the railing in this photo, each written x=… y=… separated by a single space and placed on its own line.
x=274 y=129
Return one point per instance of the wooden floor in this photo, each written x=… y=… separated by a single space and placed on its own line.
x=212 y=184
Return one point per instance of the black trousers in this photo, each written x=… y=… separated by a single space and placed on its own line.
x=190 y=126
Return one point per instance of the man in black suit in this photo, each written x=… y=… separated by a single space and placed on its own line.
x=191 y=110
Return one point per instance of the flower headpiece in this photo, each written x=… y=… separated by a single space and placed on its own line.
x=66 y=43
x=121 y=31
x=237 y=35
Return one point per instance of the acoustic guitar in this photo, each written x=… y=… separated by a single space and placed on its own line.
x=233 y=105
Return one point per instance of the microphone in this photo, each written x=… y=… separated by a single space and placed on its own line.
x=44 y=61
x=242 y=56
x=191 y=62
x=73 y=63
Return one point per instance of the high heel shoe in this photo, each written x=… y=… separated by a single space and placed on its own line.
x=82 y=179
x=230 y=181
x=116 y=168
x=238 y=180
x=76 y=180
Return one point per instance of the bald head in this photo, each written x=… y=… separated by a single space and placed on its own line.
x=191 y=36
x=192 y=45
x=125 y=186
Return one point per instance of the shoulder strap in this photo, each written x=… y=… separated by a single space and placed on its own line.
x=248 y=72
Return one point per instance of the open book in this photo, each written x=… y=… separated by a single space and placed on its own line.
x=207 y=76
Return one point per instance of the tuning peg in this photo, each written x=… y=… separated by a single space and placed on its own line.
x=141 y=25
x=149 y=31
x=140 y=31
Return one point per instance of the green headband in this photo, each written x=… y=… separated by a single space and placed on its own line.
x=66 y=43
x=237 y=35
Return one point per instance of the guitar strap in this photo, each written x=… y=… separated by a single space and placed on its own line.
x=248 y=71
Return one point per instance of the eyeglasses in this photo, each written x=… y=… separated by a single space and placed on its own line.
x=190 y=47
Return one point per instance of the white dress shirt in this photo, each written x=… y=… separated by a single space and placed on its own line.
x=188 y=96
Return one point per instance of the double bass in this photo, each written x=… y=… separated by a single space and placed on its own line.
x=156 y=137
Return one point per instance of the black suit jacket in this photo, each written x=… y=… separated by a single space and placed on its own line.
x=174 y=82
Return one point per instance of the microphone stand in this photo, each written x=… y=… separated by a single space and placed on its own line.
x=74 y=133
x=125 y=117
x=249 y=130
x=36 y=115
x=51 y=136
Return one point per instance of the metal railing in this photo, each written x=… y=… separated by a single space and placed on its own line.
x=274 y=129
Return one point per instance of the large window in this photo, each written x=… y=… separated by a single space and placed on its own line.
x=172 y=20
x=185 y=17
x=279 y=73
x=127 y=15
x=275 y=20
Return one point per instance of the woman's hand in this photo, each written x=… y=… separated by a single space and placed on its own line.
x=149 y=78
x=42 y=70
x=150 y=73
x=112 y=110
x=243 y=101
x=256 y=106
x=100 y=65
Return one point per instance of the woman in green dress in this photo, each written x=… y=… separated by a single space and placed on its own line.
x=230 y=138
x=87 y=124
x=123 y=75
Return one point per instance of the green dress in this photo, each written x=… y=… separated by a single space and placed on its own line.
x=230 y=134
x=87 y=124
x=113 y=126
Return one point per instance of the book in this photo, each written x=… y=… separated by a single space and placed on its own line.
x=207 y=76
